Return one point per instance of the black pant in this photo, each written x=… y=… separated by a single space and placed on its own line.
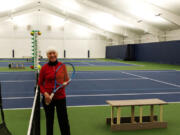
x=61 y=114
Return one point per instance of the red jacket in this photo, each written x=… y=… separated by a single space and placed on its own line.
x=46 y=80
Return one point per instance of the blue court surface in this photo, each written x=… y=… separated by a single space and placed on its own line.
x=45 y=59
x=99 y=63
x=95 y=87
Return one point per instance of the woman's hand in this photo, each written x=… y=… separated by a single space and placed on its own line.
x=47 y=98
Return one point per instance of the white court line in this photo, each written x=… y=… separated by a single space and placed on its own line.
x=100 y=71
x=26 y=72
x=76 y=106
x=13 y=98
x=104 y=105
x=171 y=84
x=17 y=109
x=118 y=71
x=67 y=107
x=87 y=63
x=125 y=94
x=19 y=81
x=167 y=71
x=101 y=95
x=129 y=89
x=87 y=106
x=108 y=79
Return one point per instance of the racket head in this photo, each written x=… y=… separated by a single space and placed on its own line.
x=70 y=69
x=64 y=73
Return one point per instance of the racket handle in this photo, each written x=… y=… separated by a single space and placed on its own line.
x=52 y=95
x=47 y=103
x=65 y=83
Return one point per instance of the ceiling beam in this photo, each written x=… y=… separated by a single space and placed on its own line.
x=80 y=19
x=34 y=6
x=116 y=30
x=19 y=11
x=167 y=15
x=72 y=18
x=142 y=26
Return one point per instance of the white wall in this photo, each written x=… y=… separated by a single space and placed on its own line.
x=148 y=38
x=167 y=36
x=75 y=48
x=21 y=47
x=73 y=38
x=173 y=35
x=96 y=50
x=45 y=43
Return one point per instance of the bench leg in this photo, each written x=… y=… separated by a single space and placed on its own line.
x=152 y=113
x=132 y=114
x=112 y=115
x=119 y=115
x=141 y=114
x=161 y=113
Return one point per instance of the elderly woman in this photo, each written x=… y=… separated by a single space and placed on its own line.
x=46 y=83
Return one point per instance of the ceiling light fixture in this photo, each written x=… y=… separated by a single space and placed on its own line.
x=159 y=14
x=139 y=21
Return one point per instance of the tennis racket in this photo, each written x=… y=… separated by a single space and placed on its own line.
x=63 y=76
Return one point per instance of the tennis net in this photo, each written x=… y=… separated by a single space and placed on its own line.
x=34 y=122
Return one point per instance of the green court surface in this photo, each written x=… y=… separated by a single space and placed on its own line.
x=92 y=121
x=138 y=66
x=13 y=61
x=17 y=121
x=6 y=69
x=46 y=61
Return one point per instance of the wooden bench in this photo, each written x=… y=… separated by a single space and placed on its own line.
x=136 y=122
x=16 y=65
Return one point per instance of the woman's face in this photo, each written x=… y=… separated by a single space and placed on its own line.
x=52 y=56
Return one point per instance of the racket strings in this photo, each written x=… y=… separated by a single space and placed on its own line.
x=60 y=75
x=63 y=75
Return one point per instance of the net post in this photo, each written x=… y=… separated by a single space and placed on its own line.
x=34 y=123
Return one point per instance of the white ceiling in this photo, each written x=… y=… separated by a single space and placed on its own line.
x=127 y=18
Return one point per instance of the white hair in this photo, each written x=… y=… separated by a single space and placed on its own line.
x=51 y=49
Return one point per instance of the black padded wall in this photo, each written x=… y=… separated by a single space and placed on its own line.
x=88 y=53
x=124 y=52
x=130 y=53
x=162 y=52
x=116 y=52
x=64 y=53
x=13 y=53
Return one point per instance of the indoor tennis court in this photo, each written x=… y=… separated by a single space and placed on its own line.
x=120 y=50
